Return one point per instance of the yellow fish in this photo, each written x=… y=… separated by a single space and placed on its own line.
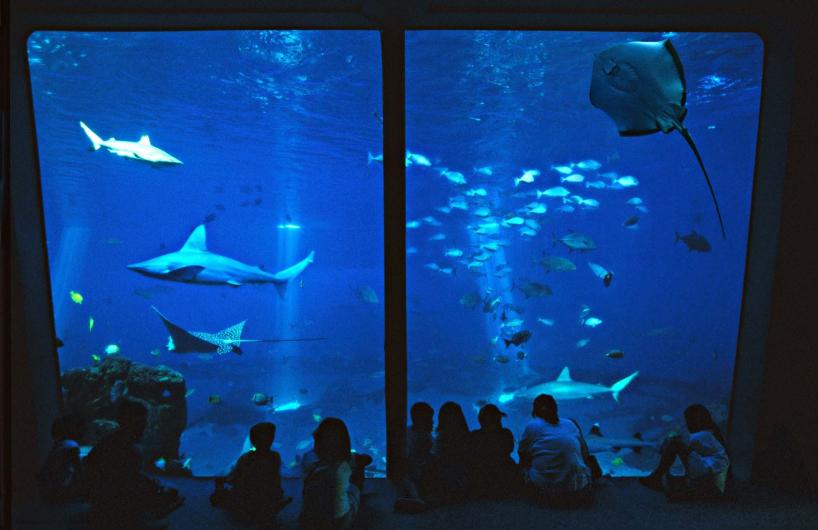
x=96 y=358
x=75 y=297
x=316 y=417
x=617 y=461
x=90 y=324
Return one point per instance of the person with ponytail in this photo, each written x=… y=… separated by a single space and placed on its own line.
x=704 y=456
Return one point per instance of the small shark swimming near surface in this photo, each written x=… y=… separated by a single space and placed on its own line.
x=142 y=150
x=564 y=388
x=221 y=342
x=193 y=263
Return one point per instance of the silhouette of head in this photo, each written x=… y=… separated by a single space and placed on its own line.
x=698 y=418
x=490 y=417
x=423 y=416
x=545 y=407
x=332 y=441
x=262 y=435
x=132 y=417
x=69 y=427
x=451 y=423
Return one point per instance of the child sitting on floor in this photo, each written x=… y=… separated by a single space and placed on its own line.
x=704 y=457
x=255 y=494
x=59 y=480
x=419 y=441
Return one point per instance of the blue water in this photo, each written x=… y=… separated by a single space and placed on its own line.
x=275 y=127
x=519 y=100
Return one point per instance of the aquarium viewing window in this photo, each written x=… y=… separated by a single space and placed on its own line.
x=289 y=224
x=548 y=254
x=202 y=191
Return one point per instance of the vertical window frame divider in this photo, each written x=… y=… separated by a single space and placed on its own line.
x=394 y=208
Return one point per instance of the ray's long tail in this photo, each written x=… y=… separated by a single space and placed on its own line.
x=692 y=145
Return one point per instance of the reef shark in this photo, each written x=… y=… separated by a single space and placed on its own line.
x=142 y=150
x=221 y=342
x=193 y=263
x=597 y=443
x=564 y=388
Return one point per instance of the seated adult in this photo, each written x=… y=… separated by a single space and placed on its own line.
x=496 y=475
x=553 y=457
x=450 y=477
x=704 y=456
x=121 y=495
x=333 y=480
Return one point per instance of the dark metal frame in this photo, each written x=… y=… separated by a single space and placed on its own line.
x=392 y=17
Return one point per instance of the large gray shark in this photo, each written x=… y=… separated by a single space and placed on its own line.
x=564 y=388
x=193 y=263
x=142 y=150
x=225 y=341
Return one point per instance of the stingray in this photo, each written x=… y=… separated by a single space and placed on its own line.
x=641 y=86
x=221 y=342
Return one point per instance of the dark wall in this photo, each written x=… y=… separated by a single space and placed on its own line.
x=787 y=443
x=785 y=453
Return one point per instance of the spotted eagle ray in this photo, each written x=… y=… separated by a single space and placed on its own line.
x=221 y=342
x=641 y=86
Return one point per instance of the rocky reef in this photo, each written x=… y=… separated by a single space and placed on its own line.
x=94 y=392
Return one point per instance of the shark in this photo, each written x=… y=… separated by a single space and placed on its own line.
x=227 y=340
x=564 y=388
x=194 y=263
x=141 y=150
x=598 y=443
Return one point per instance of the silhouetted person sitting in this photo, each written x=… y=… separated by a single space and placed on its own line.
x=333 y=482
x=704 y=456
x=419 y=441
x=450 y=474
x=553 y=457
x=496 y=474
x=122 y=496
x=61 y=478
x=255 y=495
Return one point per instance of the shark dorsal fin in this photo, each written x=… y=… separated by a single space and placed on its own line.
x=197 y=240
x=565 y=375
x=145 y=140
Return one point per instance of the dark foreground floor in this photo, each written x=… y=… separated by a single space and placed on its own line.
x=621 y=504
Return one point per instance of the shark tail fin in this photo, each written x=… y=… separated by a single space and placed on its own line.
x=620 y=385
x=95 y=140
x=281 y=287
x=282 y=279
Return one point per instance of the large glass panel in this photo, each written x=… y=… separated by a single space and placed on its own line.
x=259 y=140
x=526 y=197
